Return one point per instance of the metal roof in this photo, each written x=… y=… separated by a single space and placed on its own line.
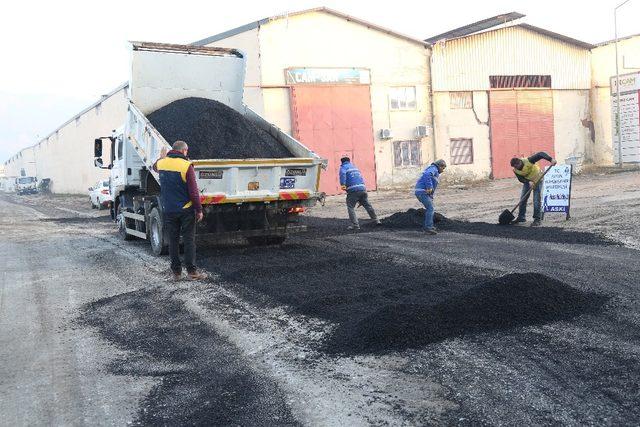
x=256 y=24
x=476 y=26
x=619 y=39
x=557 y=36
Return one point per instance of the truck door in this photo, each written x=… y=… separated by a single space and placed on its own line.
x=118 y=170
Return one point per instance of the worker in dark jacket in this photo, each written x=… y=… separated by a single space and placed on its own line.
x=352 y=182
x=181 y=207
x=426 y=189
x=529 y=173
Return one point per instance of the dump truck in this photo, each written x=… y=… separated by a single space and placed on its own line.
x=26 y=185
x=256 y=199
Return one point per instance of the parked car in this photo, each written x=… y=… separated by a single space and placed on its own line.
x=100 y=196
x=26 y=185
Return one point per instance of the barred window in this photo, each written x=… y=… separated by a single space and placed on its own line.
x=460 y=100
x=406 y=153
x=402 y=98
x=461 y=151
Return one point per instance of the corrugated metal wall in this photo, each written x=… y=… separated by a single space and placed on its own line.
x=466 y=63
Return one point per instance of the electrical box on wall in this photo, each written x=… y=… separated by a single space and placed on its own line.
x=386 y=134
x=422 y=131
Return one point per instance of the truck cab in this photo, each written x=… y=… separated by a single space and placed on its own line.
x=26 y=185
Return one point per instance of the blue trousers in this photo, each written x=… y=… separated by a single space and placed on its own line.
x=427 y=201
x=537 y=197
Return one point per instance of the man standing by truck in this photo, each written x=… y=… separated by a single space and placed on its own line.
x=529 y=173
x=181 y=207
x=352 y=182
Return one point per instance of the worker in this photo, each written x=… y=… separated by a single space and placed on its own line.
x=426 y=189
x=181 y=207
x=352 y=182
x=529 y=173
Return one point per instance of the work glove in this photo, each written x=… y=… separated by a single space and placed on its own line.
x=344 y=187
x=429 y=191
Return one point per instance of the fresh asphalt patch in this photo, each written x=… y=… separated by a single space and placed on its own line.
x=202 y=379
x=413 y=219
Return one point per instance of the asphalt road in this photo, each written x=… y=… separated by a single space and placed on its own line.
x=92 y=332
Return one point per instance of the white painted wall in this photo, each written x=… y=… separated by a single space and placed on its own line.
x=66 y=156
x=603 y=66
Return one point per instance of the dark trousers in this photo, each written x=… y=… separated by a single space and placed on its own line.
x=181 y=223
x=352 y=200
x=537 y=196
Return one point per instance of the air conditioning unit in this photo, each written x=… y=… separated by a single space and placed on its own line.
x=422 y=131
x=386 y=134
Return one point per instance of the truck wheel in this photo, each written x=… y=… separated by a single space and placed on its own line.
x=266 y=240
x=121 y=225
x=156 y=233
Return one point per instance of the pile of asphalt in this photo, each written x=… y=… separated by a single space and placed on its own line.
x=203 y=378
x=413 y=219
x=214 y=131
x=507 y=302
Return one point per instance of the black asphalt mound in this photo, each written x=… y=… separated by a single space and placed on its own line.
x=414 y=218
x=204 y=380
x=505 y=302
x=214 y=131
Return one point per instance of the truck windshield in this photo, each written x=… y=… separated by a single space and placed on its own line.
x=26 y=180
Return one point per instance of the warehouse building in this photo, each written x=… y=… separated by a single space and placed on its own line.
x=503 y=89
x=65 y=156
x=342 y=86
x=603 y=69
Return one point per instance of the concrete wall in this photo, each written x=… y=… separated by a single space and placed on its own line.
x=319 y=39
x=66 y=156
x=603 y=66
x=463 y=123
x=571 y=112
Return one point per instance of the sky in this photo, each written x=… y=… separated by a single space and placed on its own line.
x=60 y=56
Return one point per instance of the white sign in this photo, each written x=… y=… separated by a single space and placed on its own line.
x=556 y=189
x=629 y=127
x=327 y=76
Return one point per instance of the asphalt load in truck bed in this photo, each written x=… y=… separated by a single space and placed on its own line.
x=413 y=219
x=215 y=131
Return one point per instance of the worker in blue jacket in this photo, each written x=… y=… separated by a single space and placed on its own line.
x=425 y=190
x=352 y=182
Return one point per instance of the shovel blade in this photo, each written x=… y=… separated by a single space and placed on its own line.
x=506 y=217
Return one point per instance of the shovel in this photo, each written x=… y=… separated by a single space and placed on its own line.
x=506 y=217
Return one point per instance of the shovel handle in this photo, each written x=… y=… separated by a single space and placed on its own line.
x=524 y=197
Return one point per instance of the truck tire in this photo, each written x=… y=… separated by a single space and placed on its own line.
x=266 y=240
x=156 y=234
x=121 y=225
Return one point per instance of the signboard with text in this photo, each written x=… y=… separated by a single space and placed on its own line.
x=327 y=76
x=556 y=189
x=629 y=128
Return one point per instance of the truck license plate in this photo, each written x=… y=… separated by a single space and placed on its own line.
x=215 y=174
x=296 y=172
x=287 y=183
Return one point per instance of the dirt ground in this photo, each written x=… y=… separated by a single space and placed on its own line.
x=381 y=326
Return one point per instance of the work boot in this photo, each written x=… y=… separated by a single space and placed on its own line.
x=197 y=275
x=536 y=223
x=430 y=231
x=353 y=227
x=377 y=222
x=519 y=220
x=176 y=276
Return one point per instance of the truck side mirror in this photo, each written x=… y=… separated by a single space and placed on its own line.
x=97 y=148
x=98 y=162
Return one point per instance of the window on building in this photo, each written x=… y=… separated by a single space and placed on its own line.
x=402 y=98
x=460 y=100
x=461 y=151
x=406 y=153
